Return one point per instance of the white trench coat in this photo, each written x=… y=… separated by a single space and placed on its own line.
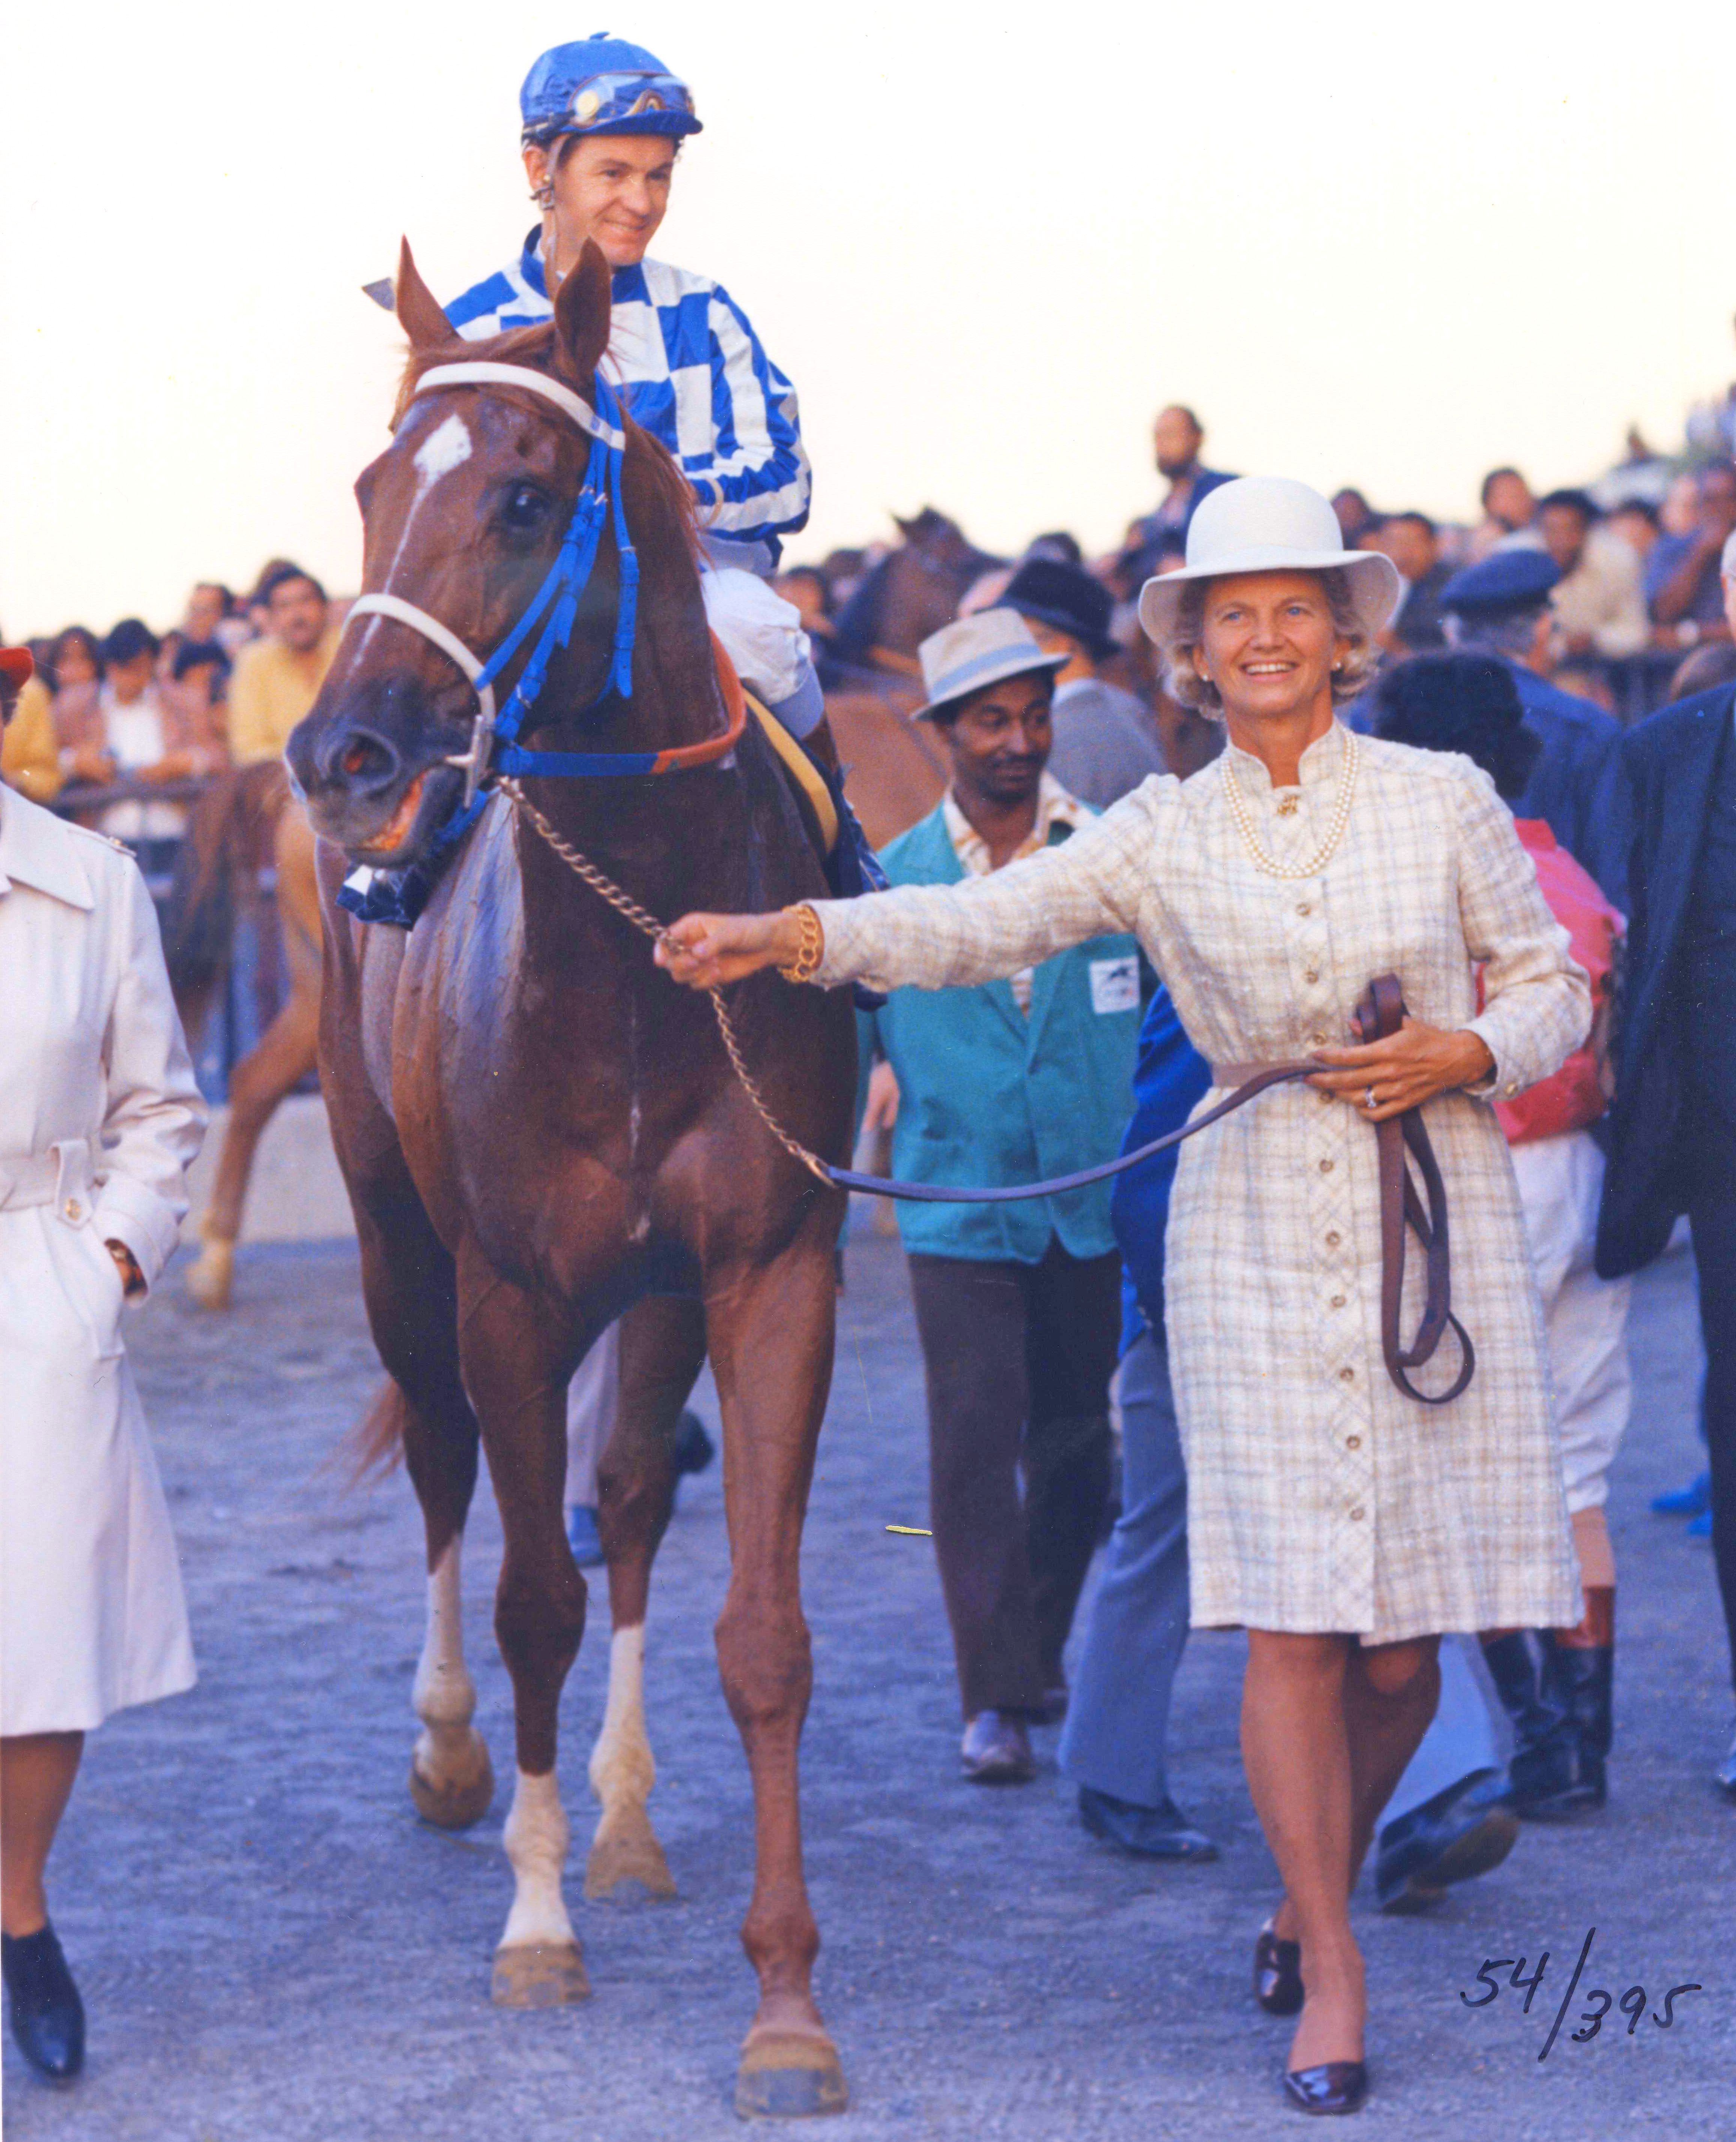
x=99 y=1117
x=1319 y=1497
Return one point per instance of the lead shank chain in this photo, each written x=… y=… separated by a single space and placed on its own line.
x=643 y=920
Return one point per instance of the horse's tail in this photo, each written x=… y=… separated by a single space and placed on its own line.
x=229 y=831
x=375 y=1446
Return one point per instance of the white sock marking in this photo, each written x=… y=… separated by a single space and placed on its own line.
x=445 y=1695
x=622 y=1770
x=536 y=1839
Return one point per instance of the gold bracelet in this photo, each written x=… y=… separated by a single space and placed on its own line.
x=806 y=965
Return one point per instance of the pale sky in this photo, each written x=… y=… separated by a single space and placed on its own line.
x=1376 y=245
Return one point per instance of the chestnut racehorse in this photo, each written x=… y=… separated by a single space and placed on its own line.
x=537 y=1128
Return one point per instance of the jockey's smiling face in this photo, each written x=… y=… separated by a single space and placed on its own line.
x=612 y=187
x=999 y=742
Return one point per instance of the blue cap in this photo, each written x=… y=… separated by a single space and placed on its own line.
x=1505 y=583
x=602 y=85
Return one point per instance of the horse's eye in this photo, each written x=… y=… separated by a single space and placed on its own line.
x=523 y=509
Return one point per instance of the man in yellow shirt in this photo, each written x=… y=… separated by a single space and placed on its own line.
x=276 y=678
x=30 y=752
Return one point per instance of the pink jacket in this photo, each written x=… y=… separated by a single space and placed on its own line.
x=1573 y=1097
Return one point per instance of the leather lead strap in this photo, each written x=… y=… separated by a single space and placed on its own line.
x=1381 y=1014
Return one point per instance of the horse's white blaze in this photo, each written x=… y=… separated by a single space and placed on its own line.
x=536 y=1839
x=445 y=449
x=622 y=1770
x=445 y=1695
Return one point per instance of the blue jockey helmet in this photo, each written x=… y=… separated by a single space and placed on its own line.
x=602 y=85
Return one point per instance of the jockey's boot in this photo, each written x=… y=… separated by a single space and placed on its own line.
x=853 y=867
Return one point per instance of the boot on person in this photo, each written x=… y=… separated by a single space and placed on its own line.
x=1584 y=1668
x=1547 y=1776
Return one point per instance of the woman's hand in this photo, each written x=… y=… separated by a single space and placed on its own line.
x=705 y=951
x=1406 y=1069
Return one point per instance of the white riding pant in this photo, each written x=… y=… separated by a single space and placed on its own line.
x=593 y=1397
x=762 y=635
x=1560 y=1181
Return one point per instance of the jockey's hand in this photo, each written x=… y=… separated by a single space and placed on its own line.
x=705 y=951
x=1406 y=1069
x=880 y=1111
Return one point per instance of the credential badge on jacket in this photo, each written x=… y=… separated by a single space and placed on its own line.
x=1115 y=984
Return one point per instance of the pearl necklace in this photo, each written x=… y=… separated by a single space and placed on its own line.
x=1335 y=832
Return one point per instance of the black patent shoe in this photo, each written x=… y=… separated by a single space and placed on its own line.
x=1277 y=1973
x=1335 y=2086
x=47 y=2016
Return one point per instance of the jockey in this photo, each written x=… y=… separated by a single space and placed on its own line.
x=604 y=121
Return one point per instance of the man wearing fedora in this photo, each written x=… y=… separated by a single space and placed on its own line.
x=1017 y=1305
x=1104 y=744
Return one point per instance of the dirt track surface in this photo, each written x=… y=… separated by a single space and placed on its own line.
x=272 y=1946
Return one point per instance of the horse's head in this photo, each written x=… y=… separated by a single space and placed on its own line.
x=463 y=515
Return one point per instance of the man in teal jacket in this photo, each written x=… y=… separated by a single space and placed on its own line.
x=1017 y=1305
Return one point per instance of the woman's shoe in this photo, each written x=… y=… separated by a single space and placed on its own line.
x=47 y=2016
x=1278 y=1974
x=1335 y=2086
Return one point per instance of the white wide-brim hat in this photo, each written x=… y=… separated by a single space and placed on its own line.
x=1270 y=524
x=975 y=652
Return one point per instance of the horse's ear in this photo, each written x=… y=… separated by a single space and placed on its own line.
x=418 y=309
x=582 y=307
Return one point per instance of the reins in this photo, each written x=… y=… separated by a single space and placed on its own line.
x=1380 y=1013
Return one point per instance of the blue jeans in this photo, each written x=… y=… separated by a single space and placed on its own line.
x=1118 y=1720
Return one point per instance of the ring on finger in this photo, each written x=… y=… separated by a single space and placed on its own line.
x=1368 y=1099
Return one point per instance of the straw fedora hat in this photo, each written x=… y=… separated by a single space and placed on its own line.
x=984 y=648
x=1270 y=524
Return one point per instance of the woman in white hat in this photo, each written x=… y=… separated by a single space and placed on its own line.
x=1344 y=1525
x=99 y=1119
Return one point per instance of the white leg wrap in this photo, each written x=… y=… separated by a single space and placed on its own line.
x=537 y=1837
x=622 y=1770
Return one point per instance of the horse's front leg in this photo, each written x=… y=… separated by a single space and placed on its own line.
x=663 y=1350
x=769 y=1332
x=518 y=1356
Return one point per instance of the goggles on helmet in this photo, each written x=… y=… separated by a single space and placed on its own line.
x=621 y=103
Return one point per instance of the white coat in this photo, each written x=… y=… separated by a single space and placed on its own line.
x=99 y=1117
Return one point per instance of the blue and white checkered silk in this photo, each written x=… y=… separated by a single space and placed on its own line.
x=692 y=373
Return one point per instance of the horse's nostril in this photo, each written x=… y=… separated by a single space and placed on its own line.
x=363 y=760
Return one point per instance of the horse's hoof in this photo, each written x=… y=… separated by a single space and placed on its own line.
x=621 y=1870
x=211 y=1275
x=457 y=1801
x=790 y=2078
x=540 y=1977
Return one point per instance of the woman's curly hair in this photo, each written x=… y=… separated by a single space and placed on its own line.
x=1186 y=685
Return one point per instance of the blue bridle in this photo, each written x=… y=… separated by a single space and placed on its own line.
x=495 y=748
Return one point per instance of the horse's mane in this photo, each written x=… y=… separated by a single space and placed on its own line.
x=533 y=346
